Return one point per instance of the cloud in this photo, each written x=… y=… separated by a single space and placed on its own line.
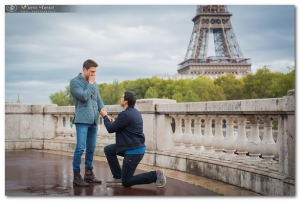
x=44 y=51
x=276 y=66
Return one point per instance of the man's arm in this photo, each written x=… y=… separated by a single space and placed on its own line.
x=79 y=93
x=120 y=123
x=99 y=100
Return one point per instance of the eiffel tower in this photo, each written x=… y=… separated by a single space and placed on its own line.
x=229 y=57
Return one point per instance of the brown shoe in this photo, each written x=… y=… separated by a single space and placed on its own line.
x=78 y=180
x=90 y=177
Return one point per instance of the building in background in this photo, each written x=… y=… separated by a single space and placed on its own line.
x=229 y=58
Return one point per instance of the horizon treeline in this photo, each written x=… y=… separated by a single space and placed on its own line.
x=262 y=84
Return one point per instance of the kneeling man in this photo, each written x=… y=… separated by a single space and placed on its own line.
x=130 y=141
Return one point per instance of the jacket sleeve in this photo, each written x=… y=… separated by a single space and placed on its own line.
x=120 y=123
x=79 y=93
x=99 y=100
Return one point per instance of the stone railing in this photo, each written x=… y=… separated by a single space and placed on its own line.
x=180 y=136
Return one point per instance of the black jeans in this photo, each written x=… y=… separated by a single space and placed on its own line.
x=130 y=163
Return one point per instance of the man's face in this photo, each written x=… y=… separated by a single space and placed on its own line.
x=90 y=72
x=122 y=101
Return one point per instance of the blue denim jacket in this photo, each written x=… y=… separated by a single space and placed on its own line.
x=88 y=102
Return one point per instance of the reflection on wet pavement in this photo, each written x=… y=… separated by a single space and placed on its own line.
x=29 y=173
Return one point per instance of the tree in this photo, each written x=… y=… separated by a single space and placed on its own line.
x=206 y=89
x=178 y=97
x=179 y=86
x=102 y=87
x=139 y=86
x=256 y=85
x=265 y=84
x=191 y=97
x=60 y=98
x=281 y=84
x=232 y=87
x=151 y=93
x=69 y=95
x=112 y=93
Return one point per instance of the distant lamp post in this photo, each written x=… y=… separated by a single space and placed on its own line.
x=18 y=99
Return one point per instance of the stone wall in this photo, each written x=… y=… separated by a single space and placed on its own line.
x=47 y=126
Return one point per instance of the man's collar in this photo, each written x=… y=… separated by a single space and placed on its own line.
x=79 y=76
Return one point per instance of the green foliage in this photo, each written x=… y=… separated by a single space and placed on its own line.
x=263 y=84
x=178 y=97
x=206 y=89
x=191 y=97
x=232 y=87
x=151 y=93
x=111 y=94
x=281 y=83
x=60 y=98
x=256 y=85
x=275 y=124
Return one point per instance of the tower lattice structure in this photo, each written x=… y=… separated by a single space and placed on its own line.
x=229 y=57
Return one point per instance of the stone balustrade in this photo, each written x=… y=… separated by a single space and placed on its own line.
x=189 y=137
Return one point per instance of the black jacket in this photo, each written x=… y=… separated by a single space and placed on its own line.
x=129 y=129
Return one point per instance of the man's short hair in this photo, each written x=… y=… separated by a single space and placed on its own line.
x=130 y=97
x=89 y=63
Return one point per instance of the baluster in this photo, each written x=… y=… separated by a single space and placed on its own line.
x=218 y=142
x=229 y=139
x=59 y=126
x=197 y=137
x=268 y=144
x=73 y=130
x=275 y=163
x=103 y=133
x=241 y=141
x=64 y=127
x=208 y=138
x=177 y=136
x=68 y=125
x=187 y=137
x=279 y=145
x=254 y=142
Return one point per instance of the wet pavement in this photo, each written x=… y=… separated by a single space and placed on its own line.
x=31 y=173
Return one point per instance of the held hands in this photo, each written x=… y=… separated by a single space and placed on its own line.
x=111 y=119
x=103 y=113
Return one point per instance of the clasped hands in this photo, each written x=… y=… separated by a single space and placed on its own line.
x=103 y=113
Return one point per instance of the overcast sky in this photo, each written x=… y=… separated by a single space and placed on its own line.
x=43 y=51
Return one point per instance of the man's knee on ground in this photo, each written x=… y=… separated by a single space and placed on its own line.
x=125 y=183
x=108 y=149
x=105 y=150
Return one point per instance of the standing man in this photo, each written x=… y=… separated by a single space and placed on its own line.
x=88 y=104
x=130 y=141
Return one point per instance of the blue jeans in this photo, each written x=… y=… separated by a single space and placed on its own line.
x=86 y=136
x=129 y=166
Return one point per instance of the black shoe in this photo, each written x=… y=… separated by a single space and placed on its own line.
x=78 y=181
x=90 y=177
